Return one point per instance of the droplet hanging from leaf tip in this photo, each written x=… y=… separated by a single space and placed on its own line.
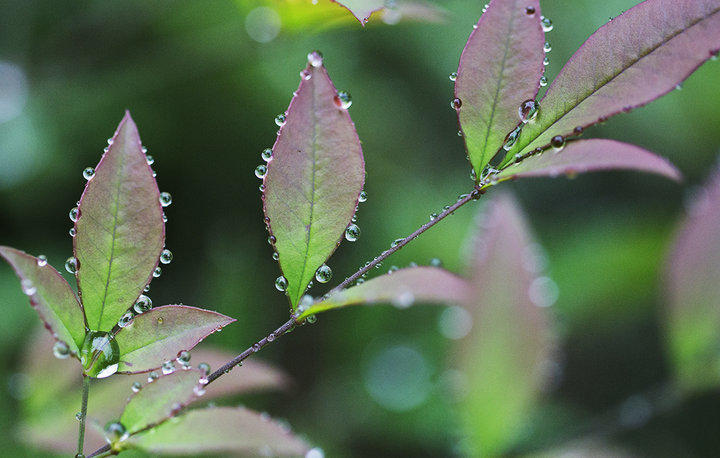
x=315 y=58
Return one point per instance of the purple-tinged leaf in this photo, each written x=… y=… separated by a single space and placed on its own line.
x=693 y=286
x=50 y=295
x=500 y=68
x=630 y=61
x=402 y=288
x=225 y=430
x=120 y=230
x=253 y=376
x=161 y=399
x=313 y=180
x=509 y=343
x=160 y=334
x=589 y=156
x=361 y=9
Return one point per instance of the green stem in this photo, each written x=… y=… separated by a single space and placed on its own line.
x=83 y=414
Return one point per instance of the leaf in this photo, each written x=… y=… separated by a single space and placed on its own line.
x=221 y=430
x=401 y=288
x=120 y=230
x=160 y=334
x=50 y=295
x=588 y=156
x=693 y=285
x=499 y=69
x=504 y=354
x=630 y=61
x=361 y=9
x=161 y=399
x=313 y=180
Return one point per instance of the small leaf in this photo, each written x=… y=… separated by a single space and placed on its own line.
x=120 y=230
x=693 y=279
x=589 y=156
x=161 y=399
x=500 y=68
x=221 y=430
x=509 y=344
x=402 y=288
x=313 y=180
x=630 y=61
x=160 y=334
x=362 y=9
x=50 y=295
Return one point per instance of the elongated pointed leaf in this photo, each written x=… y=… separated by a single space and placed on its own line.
x=313 y=180
x=120 y=230
x=221 y=430
x=50 y=295
x=589 y=156
x=500 y=68
x=693 y=280
x=159 y=400
x=630 y=61
x=253 y=376
x=505 y=351
x=362 y=9
x=402 y=288
x=160 y=334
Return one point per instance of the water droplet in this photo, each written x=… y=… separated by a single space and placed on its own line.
x=315 y=453
x=396 y=242
x=42 y=260
x=305 y=74
x=343 y=100
x=88 y=173
x=323 y=274
x=271 y=337
x=165 y=218
x=312 y=319
x=528 y=111
x=266 y=154
x=392 y=269
x=271 y=240
x=280 y=120
x=436 y=262
x=558 y=143
x=147 y=288
x=281 y=283
x=168 y=367
x=160 y=320
x=453 y=76
x=136 y=386
x=315 y=58
x=79 y=455
x=578 y=130
x=61 y=350
x=511 y=139
x=261 y=188
x=530 y=10
x=71 y=265
x=27 y=287
x=183 y=358
x=99 y=354
x=152 y=376
x=275 y=256
x=115 y=432
x=157 y=272
x=260 y=171
x=546 y=61
x=126 y=319
x=455 y=104
x=352 y=232
x=199 y=390
x=74 y=214
x=149 y=159
x=204 y=368
x=78 y=416
x=678 y=87
x=165 y=199
x=473 y=175
x=547 y=47
x=143 y=304
x=547 y=24
x=72 y=232
x=166 y=256
x=362 y=197
x=543 y=81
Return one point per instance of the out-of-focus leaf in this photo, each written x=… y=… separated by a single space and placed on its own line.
x=500 y=68
x=221 y=430
x=693 y=282
x=402 y=288
x=161 y=333
x=120 y=230
x=362 y=9
x=313 y=180
x=588 y=156
x=508 y=347
x=630 y=61
x=50 y=295
x=161 y=399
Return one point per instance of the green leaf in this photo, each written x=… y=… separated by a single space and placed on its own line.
x=221 y=430
x=160 y=334
x=50 y=295
x=120 y=230
x=504 y=355
x=693 y=284
x=402 y=288
x=313 y=180
x=500 y=68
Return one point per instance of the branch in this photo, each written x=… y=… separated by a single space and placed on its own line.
x=83 y=414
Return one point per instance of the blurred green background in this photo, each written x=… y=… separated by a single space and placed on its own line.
x=204 y=91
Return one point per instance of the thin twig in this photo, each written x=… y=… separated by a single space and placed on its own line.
x=105 y=448
x=83 y=414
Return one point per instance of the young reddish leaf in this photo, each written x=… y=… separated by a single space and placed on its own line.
x=160 y=334
x=500 y=68
x=253 y=376
x=402 y=288
x=509 y=343
x=313 y=180
x=50 y=295
x=120 y=230
x=588 y=156
x=161 y=399
x=693 y=282
x=630 y=61
x=222 y=430
x=362 y=9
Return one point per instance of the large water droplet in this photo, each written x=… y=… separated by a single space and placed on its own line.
x=528 y=111
x=455 y=104
x=74 y=214
x=166 y=256
x=42 y=260
x=315 y=58
x=547 y=24
x=61 y=350
x=143 y=304
x=115 y=432
x=126 y=319
x=88 y=173
x=99 y=354
x=362 y=197
x=27 y=287
x=165 y=199
x=352 y=232
x=71 y=265
x=260 y=171
x=343 y=100
x=323 y=274
x=511 y=139
x=558 y=143
x=266 y=154
x=281 y=283
x=280 y=119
